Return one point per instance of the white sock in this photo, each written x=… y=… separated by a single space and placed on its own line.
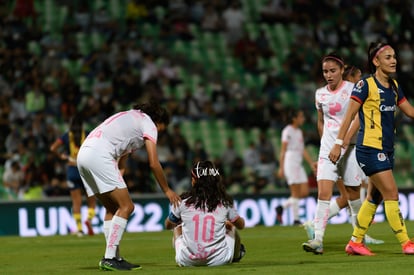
x=354 y=207
x=333 y=209
x=321 y=219
x=287 y=202
x=363 y=193
x=106 y=227
x=295 y=208
x=116 y=231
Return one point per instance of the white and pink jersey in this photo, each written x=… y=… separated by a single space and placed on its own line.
x=204 y=235
x=295 y=143
x=293 y=167
x=333 y=105
x=122 y=133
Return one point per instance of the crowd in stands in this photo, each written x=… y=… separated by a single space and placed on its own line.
x=100 y=56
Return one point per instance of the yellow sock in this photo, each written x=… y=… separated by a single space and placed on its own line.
x=78 y=220
x=91 y=213
x=365 y=216
x=396 y=221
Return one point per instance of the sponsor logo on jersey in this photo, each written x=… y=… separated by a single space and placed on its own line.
x=385 y=108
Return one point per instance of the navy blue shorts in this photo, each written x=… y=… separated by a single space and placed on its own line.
x=373 y=160
x=73 y=178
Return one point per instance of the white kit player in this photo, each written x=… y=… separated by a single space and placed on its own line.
x=102 y=160
x=331 y=104
x=205 y=223
x=292 y=153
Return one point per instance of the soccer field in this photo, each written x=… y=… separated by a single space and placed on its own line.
x=270 y=250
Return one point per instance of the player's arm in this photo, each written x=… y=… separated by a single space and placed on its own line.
x=312 y=164
x=352 y=110
x=407 y=108
x=320 y=122
x=238 y=222
x=122 y=163
x=171 y=221
x=353 y=129
x=158 y=172
x=55 y=149
x=283 y=149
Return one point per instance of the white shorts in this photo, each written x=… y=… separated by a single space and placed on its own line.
x=347 y=168
x=294 y=171
x=99 y=171
x=183 y=256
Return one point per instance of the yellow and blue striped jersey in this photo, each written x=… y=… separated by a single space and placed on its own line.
x=377 y=113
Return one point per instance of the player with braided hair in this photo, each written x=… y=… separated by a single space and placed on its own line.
x=205 y=223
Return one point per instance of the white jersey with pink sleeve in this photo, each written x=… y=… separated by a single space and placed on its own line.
x=124 y=132
x=118 y=135
x=293 y=163
x=204 y=240
x=333 y=105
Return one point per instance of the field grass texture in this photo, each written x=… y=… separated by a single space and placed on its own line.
x=270 y=250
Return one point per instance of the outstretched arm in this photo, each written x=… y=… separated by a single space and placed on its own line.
x=156 y=168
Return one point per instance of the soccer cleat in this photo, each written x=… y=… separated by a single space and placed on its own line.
x=79 y=234
x=297 y=222
x=310 y=230
x=353 y=248
x=242 y=253
x=279 y=214
x=90 y=229
x=370 y=240
x=130 y=265
x=314 y=246
x=408 y=248
x=113 y=265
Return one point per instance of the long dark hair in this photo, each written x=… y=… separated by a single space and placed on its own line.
x=76 y=128
x=350 y=70
x=209 y=191
x=373 y=50
x=291 y=114
x=157 y=113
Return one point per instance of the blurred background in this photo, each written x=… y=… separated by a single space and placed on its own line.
x=226 y=70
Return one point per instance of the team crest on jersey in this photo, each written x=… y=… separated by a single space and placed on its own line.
x=381 y=157
x=358 y=86
x=345 y=95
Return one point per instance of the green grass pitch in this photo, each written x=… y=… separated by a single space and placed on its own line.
x=270 y=250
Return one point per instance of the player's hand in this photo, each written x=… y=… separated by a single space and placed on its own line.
x=280 y=173
x=173 y=197
x=335 y=153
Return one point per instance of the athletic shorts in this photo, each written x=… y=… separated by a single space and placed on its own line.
x=346 y=168
x=99 y=171
x=183 y=256
x=294 y=171
x=373 y=160
x=73 y=179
